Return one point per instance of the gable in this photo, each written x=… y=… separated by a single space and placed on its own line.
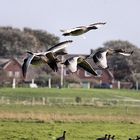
x=12 y=65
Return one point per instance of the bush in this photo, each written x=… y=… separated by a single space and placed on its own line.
x=78 y=99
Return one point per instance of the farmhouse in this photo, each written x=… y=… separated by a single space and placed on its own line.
x=12 y=69
x=9 y=69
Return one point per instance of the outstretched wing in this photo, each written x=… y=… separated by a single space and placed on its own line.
x=97 y=25
x=123 y=52
x=86 y=66
x=126 y=53
x=59 y=46
x=26 y=64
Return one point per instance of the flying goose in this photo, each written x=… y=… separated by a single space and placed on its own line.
x=81 y=29
x=49 y=57
x=73 y=63
x=62 y=137
x=100 y=56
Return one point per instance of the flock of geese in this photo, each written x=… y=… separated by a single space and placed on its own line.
x=51 y=58
x=106 y=137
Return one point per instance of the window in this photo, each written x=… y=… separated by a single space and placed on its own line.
x=17 y=74
x=10 y=73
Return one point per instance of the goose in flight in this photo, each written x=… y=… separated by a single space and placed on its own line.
x=82 y=29
x=49 y=57
x=100 y=57
x=73 y=63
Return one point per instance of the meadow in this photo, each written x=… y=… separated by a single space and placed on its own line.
x=43 y=114
x=75 y=130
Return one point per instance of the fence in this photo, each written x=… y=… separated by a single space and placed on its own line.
x=68 y=101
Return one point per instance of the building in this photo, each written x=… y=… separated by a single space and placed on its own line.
x=10 y=69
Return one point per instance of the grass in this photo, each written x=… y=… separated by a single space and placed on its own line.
x=69 y=113
x=71 y=110
x=82 y=122
x=75 y=131
x=88 y=93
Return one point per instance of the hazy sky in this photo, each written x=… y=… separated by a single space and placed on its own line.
x=122 y=17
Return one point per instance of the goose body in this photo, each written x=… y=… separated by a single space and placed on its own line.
x=81 y=29
x=49 y=57
x=74 y=62
x=100 y=59
x=71 y=64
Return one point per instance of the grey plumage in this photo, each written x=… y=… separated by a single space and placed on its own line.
x=81 y=29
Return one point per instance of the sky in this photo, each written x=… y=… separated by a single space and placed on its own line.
x=121 y=17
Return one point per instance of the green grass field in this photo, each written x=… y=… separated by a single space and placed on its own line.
x=75 y=131
x=46 y=92
x=20 y=120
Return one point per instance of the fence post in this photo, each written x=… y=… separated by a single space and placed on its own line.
x=33 y=101
x=62 y=73
x=119 y=85
x=2 y=99
x=49 y=82
x=43 y=100
x=137 y=85
x=14 y=83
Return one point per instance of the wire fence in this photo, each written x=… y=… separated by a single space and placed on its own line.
x=68 y=101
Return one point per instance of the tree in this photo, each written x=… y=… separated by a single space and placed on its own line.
x=43 y=40
x=14 y=42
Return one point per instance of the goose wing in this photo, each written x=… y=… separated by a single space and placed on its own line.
x=126 y=53
x=123 y=52
x=97 y=25
x=59 y=46
x=86 y=66
x=26 y=64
